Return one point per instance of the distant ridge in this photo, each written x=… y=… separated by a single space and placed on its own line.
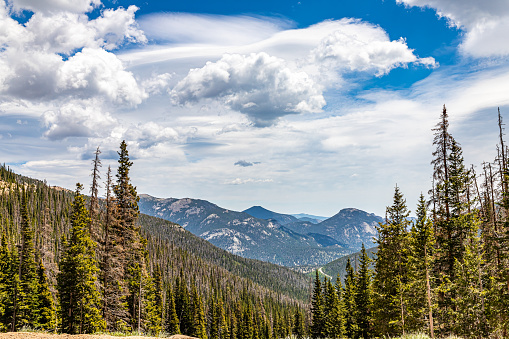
x=242 y=234
x=263 y=213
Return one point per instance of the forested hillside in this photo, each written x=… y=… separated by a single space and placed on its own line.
x=81 y=265
x=338 y=266
x=446 y=273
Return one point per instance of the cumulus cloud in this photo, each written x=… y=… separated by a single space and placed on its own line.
x=285 y=73
x=485 y=23
x=360 y=46
x=32 y=65
x=64 y=32
x=149 y=134
x=261 y=86
x=77 y=119
x=98 y=72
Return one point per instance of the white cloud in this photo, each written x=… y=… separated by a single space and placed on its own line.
x=98 y=72
x=360 y=46
x=75 y=6
x=77 y=119
x=239 y=181
x=261 y=86
x=117 y=26
x=284 y=71
x=485 y=23
x=188 y=28
x=32 y=66
x=64 y=32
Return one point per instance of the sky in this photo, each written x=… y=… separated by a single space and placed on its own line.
x=297 y=106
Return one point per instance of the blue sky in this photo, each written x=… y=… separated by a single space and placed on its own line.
x=297 y=106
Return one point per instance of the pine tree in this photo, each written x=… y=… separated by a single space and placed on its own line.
x=334 y=320
x=153 y=303
x=351 y=325
x=391 y=269
x=172 y=320
x=298 y=324
x=80 y=303
x=25 y=301
x=420 y=294
x=199 y=328
x=46 y=311
x=470 y=316
x=317 y=310
x=94 y=199
x=8 y=284
x=364 y=297
x=131 y=240
x=112 y=266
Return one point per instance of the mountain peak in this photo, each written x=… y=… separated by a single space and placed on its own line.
x=263 y=213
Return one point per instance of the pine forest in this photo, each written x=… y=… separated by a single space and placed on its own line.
x=74 y=262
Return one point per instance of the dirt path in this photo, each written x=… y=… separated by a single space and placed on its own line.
x=32 y=335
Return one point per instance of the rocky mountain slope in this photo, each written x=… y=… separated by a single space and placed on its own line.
x=349 y=227
x=243 y=234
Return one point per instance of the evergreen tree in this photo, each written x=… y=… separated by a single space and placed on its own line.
x=112 y=266
x=199 y=328
x=94 y=199
x=391 y=269
x=351 y=324
x=79 y=298
x=364 y=297
x=46 y=312
x=172 y=320
x=8 y=284
x=26 y=299
x=153 y=303
x=317 y=310
x=470 y=316
x=334 y=319
x=298 y=324
x=420 y=293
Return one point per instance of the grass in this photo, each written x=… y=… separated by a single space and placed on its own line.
x=422 y=336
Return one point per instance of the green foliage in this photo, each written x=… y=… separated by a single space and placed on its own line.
x=46 y=311
x=420 y=289
x=391 y=277
x=317 y=328
x=80 y=302
x=364 y=297
x=351 y=325
x=172 y=325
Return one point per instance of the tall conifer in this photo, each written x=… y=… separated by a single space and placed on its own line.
x=80 y=302
x=317 y=310
x=391 y=269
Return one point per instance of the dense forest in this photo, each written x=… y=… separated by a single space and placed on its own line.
x=77 y=264
x=446 y=273
x=82 y=264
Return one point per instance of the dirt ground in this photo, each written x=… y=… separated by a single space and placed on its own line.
x=32 y=335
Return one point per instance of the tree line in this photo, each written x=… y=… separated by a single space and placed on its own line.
x=76 y=264
x=445 y=273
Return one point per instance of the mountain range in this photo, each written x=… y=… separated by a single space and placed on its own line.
x=269 y=236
